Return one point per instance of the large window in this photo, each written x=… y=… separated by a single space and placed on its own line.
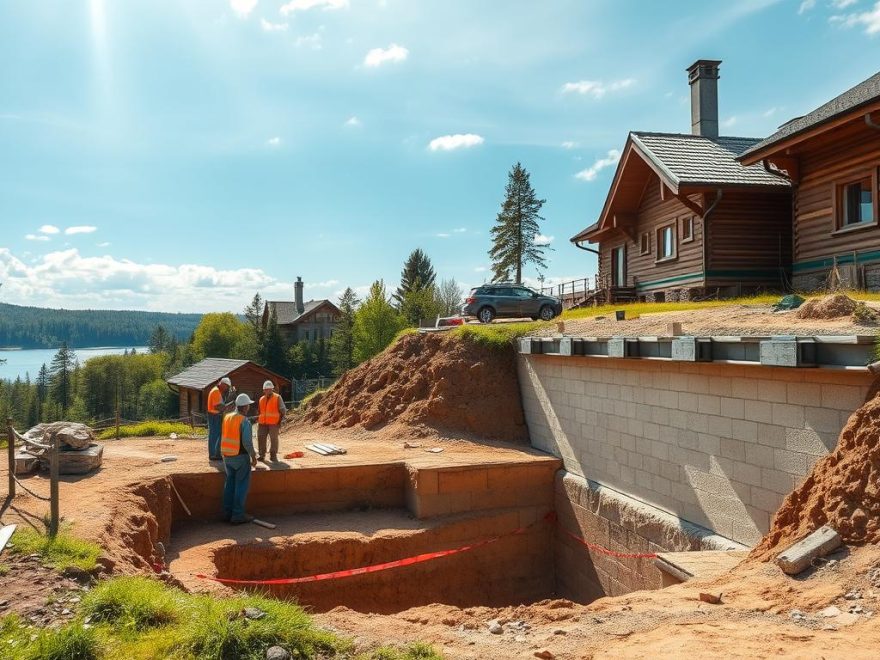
x=856 y=202
x=666 y=242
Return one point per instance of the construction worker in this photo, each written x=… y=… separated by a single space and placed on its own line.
x=217 y=406
x=237 y=448
x=272 y=411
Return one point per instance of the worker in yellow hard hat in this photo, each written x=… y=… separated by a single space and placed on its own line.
x=272 y=411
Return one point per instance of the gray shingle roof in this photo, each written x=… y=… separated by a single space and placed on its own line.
x=850 y=100
x=203 y=373
x=285 y=310
x=696 y=160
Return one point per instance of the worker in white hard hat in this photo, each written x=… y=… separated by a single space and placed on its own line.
x=219 y=402
x=239 y=457
x=272 y=411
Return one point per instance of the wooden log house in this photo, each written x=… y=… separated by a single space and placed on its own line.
x=832 y=156
x=683 y=218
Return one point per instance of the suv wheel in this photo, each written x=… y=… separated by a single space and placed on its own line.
x=547 y=313
x=486 y=315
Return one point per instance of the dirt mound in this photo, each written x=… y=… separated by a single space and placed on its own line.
x=830 y=307
x=447 y=383
x=843 y=490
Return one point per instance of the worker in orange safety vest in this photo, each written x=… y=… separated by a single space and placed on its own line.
x=218 y=404
x=272 y=411
x=239 y=457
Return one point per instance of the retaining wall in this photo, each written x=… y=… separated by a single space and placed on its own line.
x=718 y=445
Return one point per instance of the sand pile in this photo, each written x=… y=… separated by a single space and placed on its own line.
x=843 y=490
x=829 y=307
x=444 y=382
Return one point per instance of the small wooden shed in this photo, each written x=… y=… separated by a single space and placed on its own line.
x=194 y=383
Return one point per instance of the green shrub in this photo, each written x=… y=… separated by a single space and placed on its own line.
x=62 y=552
x=72 y=642
x=150 y=429
x=134 y=603
x=4 y=570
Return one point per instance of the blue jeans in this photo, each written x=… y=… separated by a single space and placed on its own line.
x=238 y=481
x=214 y=422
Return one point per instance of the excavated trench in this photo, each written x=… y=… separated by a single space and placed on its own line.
x=334 y=519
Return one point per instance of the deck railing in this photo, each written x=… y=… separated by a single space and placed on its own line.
x=576 y=291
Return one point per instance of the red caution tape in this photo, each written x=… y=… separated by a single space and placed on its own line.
x=605 y=551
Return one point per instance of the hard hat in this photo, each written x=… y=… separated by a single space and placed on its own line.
x=226 y=381
x=242 y=400
x=268 y=385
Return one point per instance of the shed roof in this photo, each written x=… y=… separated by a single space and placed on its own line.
x=852 y=99
x=210 y=370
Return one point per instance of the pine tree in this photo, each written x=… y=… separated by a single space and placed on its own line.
x=42 y=387
x=253 y=315
x=516 y=227
x=273 y=355
x=61 y=376
x=417 y=273
x=159 y=340
x=342 y=339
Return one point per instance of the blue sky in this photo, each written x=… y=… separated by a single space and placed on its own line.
x=180 y=155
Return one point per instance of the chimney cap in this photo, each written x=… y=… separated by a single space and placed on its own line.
x=703 y=69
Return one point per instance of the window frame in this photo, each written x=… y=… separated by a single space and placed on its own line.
x=673 y=227
x=687 y=221
x=839 y=202
x=645 y=243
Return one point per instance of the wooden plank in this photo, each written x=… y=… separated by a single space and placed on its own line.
x=338 y=449
x=5 y=534
x=314 y=448
x=263 y=523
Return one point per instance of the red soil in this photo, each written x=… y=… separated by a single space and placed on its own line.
x=843 y=490
x=429 y=380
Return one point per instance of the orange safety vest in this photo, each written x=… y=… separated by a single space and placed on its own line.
x=214 y=400
x=230 y=440
x=269 y=412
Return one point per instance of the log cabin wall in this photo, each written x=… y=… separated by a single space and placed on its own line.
x=839 y=155
x=749 y=242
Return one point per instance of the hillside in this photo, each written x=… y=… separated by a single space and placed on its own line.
x=37 y=327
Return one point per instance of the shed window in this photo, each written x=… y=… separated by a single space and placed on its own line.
x=856 y=202
x=687 y=229
x=666 y=242
x=645 y=245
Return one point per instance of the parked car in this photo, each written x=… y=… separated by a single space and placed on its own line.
x=512 y=301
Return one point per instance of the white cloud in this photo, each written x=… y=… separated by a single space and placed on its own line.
x=730 y=121
x=590 y=173
x=541 y=239
x=274 y=141
x=457 y=141
x=353 y=121
x=568 y=144
x=305 y=5
x=481 y=269
x=312 y=41
x=65 y=278
x=104 y=244
x=842 y=4
x=869 y=19
x=242 y=7
x=459 y=230
x=442 y=235
x=269 y=26
x=806 y=5
x=49 y=229
x=36 y=237
x=81 y=229
x=379 y=56
x=596 y=88
x=327 y=284
x=769 y=112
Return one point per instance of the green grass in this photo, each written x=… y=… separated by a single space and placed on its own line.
x=62 y=552
x=4 y=570
x=150 y=428
x=416 y=651
x=70 y=642
x=497 y=335
x=312 y=397
x=133 y=603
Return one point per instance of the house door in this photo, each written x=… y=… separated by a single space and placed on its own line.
x=618 y=266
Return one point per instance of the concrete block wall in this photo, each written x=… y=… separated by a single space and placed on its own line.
x=717 y=445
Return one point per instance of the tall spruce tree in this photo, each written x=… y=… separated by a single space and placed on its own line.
x=159 y=340
x=342 y=339
x=516 y=227
x=273 y=354
x=417 y=274
x=61 y=377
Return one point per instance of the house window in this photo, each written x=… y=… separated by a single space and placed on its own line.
x=666 y=243
x=618 y=266
x=687 y=229
x=856 y=201
x=645 y=246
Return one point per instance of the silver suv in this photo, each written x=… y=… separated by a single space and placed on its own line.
x=504 y=300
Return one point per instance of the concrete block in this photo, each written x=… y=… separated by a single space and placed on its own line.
x=804 y=394
x=787 y=352
x=800 y=556
x=731 y=407
x=744 y=430
x=790 y=461
x=530 y=346
x=691 y=349
x=772 y=391
x=744 y=388
x=805 y=441
x=759 y=411
x=788 y=415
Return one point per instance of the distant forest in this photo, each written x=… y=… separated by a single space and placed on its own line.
x=36 y=327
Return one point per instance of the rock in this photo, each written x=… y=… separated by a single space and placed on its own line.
x=797 y=615
x=72 y=434
x=829 y=612
x=277 y=653
x=253 y=613
x=853 y=595
x=495 y=628
x=545 y=655
x=800 y=556
x=713 y=598
x=846 y=619
x=560 y=631
x=519 y=638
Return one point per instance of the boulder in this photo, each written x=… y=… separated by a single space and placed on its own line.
x=72 y=434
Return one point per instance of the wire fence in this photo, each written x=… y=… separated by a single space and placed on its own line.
x=37 y=449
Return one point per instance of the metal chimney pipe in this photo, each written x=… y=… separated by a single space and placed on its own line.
x=703 y=79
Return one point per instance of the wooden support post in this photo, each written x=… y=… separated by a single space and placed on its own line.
x=53 y=488
x=10 y=449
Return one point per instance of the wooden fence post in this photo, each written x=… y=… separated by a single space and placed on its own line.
x=117 y=420
x=10 y=449
x=53 y=488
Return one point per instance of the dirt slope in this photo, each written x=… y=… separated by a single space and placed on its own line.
x=441 y=382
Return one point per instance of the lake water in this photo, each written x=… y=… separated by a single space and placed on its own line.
x=18 y=363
